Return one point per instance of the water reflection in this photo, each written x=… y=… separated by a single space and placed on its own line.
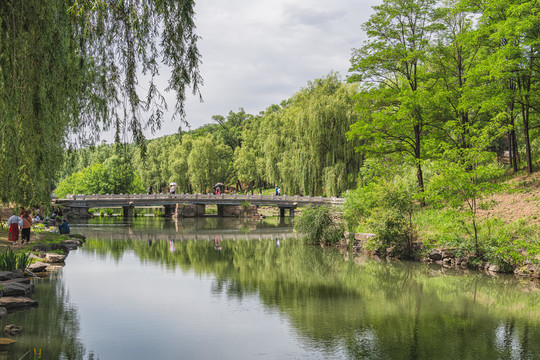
x=370 y=310
x=52 y=327
x=334 y=305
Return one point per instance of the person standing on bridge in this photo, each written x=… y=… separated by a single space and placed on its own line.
x=150 y=189
x=172 y=190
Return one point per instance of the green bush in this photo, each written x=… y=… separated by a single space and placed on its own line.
x=387 y=209
x=317 y=225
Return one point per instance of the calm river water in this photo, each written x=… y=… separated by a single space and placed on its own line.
x=159 y=289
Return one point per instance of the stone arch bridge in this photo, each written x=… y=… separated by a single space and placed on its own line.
x=192 y=205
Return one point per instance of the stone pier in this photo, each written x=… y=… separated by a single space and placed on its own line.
x=189 y=211
x=282 y=212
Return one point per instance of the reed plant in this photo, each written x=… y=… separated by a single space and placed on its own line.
x=10 y=260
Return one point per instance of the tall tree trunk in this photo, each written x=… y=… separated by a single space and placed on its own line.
x=512 y=141
x=515 y=154
x=525 y=112
x=417 y=156
x=524 y=84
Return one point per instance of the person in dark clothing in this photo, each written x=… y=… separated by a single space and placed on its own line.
x=64 y=227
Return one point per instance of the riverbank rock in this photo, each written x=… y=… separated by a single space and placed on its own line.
x=528 y=270
x=3 y=312
x=17 y=288
x=10 y=302
x=37 y=267
x=6 y=341
x=54 y=258
x=71 y=244
x=49 y=247
x=12 y=330
x=9 y=275
x=435 y=254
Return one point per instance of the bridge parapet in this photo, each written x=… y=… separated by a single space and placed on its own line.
x=203 y=197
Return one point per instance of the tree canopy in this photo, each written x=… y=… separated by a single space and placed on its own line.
x=69 y=69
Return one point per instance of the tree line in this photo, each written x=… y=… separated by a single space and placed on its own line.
x=441 y=86
x=299 y=145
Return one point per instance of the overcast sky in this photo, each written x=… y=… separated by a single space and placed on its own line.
x=256 y=53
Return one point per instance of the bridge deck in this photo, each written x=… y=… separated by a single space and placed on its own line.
x=209 y=199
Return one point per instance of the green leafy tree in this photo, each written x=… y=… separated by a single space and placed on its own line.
x=109 y=178
x=245 y=165
x=514 y=30
x=392 y=65
x=465 y=176
x=303 y=142
x=208 y=162
x=318 y=226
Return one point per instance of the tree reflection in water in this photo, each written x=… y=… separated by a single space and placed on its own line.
x=52 y=327
x=371 y=310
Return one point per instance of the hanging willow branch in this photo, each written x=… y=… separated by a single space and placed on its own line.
x=70 y=69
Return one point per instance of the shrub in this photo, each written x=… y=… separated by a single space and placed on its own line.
x=317 y=225
x=387 y=208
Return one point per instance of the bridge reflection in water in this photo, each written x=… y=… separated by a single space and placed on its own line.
x=199 y=229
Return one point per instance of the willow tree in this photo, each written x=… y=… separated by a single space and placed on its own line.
x=72 y=67
x=208 y=162
x=304 y=142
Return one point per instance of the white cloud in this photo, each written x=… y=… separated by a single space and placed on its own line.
x=256 y=53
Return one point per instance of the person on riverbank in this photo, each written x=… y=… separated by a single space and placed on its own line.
x=63 y=228
x=14 y=224
x=26 y=225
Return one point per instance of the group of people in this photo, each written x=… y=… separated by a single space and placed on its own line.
x=172 y=189
x=22 y=222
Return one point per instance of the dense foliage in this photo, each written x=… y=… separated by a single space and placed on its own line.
x=300 y=145
x=317 y=226
x=70 y=68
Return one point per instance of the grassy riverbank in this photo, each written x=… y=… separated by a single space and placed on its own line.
x=501 y=232
x=38 y=236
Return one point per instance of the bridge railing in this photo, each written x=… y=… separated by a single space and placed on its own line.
x=246 y=197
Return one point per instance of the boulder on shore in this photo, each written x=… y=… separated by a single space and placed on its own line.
x=10 y=302
x=14 y=288
x=37 y=267
x=55 y=258
x=9 y=275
